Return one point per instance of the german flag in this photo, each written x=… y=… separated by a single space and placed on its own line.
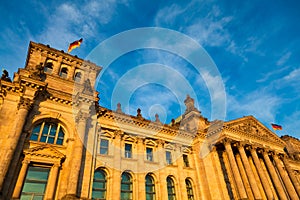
x=74 y=45
x=276 y=127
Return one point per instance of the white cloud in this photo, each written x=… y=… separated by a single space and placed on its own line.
x=291 y=123
x=283 y=59
x=69 y=22
x=272 y=73
x=259 y=103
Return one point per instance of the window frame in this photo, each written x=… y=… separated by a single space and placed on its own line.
x=189 y=189
x=169 y=160
x=186 y=161
x=171 y=191
x=103 y=181
x=29 y=180
x=149 y=155
x=78 y=79
x=128 y=153
x=64 y=74
x=104 y=147
x=129 y=184
x=151 y=185
x=58 y=137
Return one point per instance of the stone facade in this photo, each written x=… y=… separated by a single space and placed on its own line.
x=58 y=143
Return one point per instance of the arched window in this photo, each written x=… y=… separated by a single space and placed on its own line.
x=171 y=189
x=126 y=186
x=48 y=132
x=77 y=77
x=150 y=187
x=63 y=72
x=48 y=68
x=99 y=185
x=189 y=189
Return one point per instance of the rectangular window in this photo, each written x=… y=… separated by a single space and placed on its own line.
x=186 y=160
x=35 y=183
x=128 y=150
x=104 y=147
x=168 y=157
x=149 y=152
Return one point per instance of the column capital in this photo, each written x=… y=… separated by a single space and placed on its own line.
x=25 y=103
x=25 y=161
x=160 y=142
x=227 y=141
x=118 y=134
x=57 y=165
x=82 y=116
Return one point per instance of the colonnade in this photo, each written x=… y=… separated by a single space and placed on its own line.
x=259 y=173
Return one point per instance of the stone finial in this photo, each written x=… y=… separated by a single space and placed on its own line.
x=139 y=115
x=173 y=122
x=5 y=76
x=157 y=118
x=119 y=109
x=190 y=104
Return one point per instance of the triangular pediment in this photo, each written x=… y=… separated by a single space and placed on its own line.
x=45 y=150
x=251 y=128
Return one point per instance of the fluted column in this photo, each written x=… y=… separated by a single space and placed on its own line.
x=250 y=174
x=51 y=185
x=13 y=138
x=291 y=175
x=21 y=177
x=261 y=174
x=286 y=179
x=236 y=173
x=274 y=176
x=77 y=154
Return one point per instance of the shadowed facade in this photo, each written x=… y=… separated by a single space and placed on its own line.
x=56 y=142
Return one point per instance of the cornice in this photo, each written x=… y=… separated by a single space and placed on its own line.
x=145 y=124
x=265 y=139
x=66 y=58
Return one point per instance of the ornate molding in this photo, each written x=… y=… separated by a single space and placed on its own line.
x=25 y=103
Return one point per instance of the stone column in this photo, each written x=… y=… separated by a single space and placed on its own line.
x=274 y=176
x=236 y=173
x=250 y=174
x=286 y=179
x=13 y=138
x=51 y=185
x=77 y=154
x=261 y=174
x=291 y=175
x=21 y=177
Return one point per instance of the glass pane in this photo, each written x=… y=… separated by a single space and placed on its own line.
x=149 y=197
x=34 y=187
x=50 y=140
x=126 y=196
x=126 y=187
x=43 y=139
x=126 y=177
x=35 y=183
x=59 y=141
x=34 y=137
x=99 y=194
x=103 y=151
x=104 y=143
x=97 y=184
x=99 y=175
x=37 y=129
x=46 y=129
x=53 y=129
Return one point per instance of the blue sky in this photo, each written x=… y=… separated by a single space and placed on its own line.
x=255 y=46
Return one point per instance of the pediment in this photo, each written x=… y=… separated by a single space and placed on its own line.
x=44 y=151
x=252 y=128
